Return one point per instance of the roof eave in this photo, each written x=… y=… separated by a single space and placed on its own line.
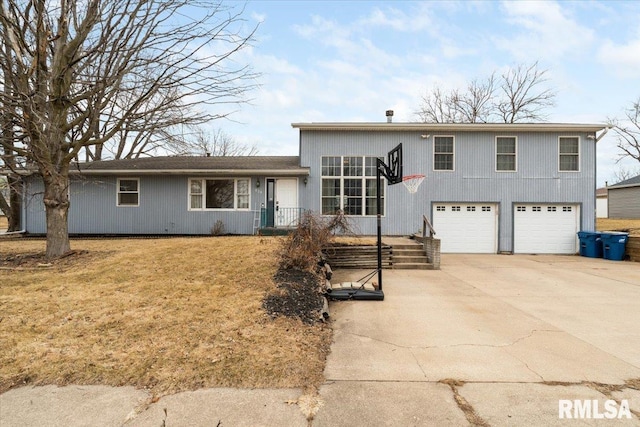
x=459 y=127
x=199 y=172
x=613 y=187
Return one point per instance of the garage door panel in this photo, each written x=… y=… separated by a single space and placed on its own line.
x=546 y=229
x=466 y=228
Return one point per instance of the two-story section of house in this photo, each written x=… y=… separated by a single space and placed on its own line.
x=488 y=188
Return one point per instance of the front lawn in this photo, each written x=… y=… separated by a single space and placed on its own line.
x=164 y=314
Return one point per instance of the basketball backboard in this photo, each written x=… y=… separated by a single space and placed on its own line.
x=393 y=169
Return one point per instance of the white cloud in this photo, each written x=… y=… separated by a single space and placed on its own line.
x=623 y=60
x=417 y=20
x=543 y=30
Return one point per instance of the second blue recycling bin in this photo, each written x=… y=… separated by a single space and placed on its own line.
x=614 y=245
x=590 y=244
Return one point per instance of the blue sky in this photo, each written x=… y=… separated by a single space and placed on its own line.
x=351 y=61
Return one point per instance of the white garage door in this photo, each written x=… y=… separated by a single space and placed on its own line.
x=466 y=227
x=546 y=229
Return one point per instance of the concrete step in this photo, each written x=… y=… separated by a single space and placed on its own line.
x=408 y=266
x=409 y=259
x=407 y=252
x=416 y=246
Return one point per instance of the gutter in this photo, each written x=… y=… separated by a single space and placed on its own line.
x=603 y=133
x=210 y=172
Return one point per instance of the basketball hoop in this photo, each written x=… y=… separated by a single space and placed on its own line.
x=412 y=182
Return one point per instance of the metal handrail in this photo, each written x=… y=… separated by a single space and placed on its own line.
x=426 y=224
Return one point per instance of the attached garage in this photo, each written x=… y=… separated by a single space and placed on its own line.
x=466 y=227
x=546 y=228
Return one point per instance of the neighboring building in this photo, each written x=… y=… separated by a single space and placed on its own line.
x=489 y=188
x=624 y=199
x=602 y=206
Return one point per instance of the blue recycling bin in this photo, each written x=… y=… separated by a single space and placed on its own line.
x=614 y=245
x=590 y=244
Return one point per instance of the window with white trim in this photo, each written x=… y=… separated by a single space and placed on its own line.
x=568 y=154
x=443 y=153
x=219 y=193
x=128 y=192
x=349 y=184
x=506 y=154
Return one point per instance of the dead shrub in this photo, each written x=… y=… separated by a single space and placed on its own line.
x=302 y=248
x=218 y=228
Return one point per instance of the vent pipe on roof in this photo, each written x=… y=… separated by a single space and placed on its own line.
x=208 y=154
x=389 y=116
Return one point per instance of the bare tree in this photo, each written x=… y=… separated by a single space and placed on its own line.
x=628 y=132
x=83 y=73
x=219 y=143
x=623 y=174
x=523 y=96
x=517 y=95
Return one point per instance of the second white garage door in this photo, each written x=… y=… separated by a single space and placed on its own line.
x=546 y=229
x=466 y=227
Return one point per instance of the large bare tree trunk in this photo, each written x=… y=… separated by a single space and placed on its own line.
x=56 y=202
x=15 y=202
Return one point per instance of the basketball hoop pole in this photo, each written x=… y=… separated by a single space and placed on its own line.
x=379 y=167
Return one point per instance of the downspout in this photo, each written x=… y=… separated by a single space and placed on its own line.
x=595 y=174
x=23 y=219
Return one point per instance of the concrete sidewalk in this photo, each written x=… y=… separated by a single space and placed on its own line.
x=487 y=340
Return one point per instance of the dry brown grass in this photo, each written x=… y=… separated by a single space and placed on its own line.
x=632 y=226
x=165 y=314
x=4 y=224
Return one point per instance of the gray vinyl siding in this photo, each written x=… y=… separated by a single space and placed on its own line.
x=163 y=208
x=474 y=178
x=624 y=202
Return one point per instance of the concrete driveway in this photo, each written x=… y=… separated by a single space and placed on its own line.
x=489 y=340
x=485 y=341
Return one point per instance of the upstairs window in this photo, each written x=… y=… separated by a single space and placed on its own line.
x=226 y=194
x=443 y=153
x=128 y=192
x=506 y=154
x=569 y=154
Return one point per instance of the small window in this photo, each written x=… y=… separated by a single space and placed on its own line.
x=521 y=208
x=455 y=208
x=551 y=208
x=486 y=209
x=566 y=209
x=569 y=154
x=536 y=209
x=440 y=208
x=443 y=151
x=128 y=192
x=506 y=153
x=471 y=208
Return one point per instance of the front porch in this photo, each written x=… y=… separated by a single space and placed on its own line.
x=276 y=221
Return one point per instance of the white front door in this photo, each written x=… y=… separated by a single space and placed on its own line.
x=287 y=211
x=466 y=227
x=546 y=229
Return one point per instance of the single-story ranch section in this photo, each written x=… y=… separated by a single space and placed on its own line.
x=488 y=188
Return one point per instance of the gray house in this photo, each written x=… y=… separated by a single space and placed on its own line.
x=176 y=195
x=624 y=199
x=488 y=188
x=522 y=188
